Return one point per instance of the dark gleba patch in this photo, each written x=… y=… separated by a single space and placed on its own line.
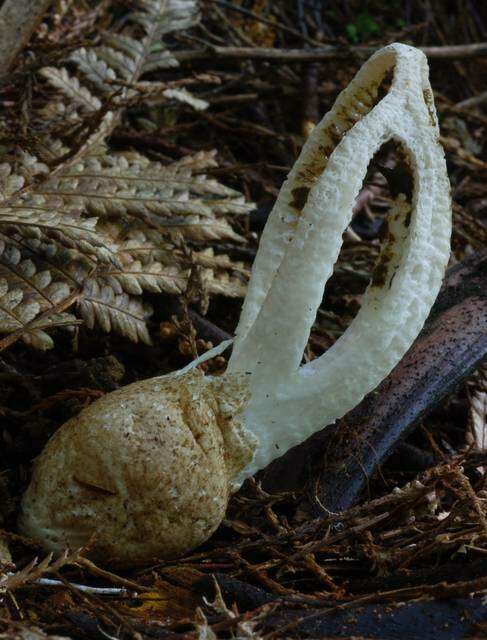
x=400 y=179
x=379 y=277
x=344 y=120
x=407 y=218
x=429 y=101
x=299 y=197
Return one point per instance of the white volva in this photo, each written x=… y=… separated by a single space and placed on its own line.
x=146 y=471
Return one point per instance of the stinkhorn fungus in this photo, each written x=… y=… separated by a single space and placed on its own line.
x=146 y=471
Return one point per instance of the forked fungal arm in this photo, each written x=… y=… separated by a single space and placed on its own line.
x=301 y=243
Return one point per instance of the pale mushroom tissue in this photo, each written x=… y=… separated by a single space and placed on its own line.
x=145 y=472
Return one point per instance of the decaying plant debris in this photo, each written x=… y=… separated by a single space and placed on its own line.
x=57 y=174
x=407 y=559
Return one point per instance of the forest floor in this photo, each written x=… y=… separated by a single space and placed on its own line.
x=397 y=547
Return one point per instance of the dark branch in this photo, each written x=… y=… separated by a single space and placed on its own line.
x=452 y=344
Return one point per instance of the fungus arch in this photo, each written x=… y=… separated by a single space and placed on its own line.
x=298 y=252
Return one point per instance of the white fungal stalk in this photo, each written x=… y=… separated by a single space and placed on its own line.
x=146 y=471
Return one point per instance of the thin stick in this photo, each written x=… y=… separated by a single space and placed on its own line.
x=330 y=52
x=474 y=101
x=105 y=591
x=111 y=577
x=18 y=19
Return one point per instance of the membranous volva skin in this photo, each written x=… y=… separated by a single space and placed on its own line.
x=146 y=471
x=143 y=473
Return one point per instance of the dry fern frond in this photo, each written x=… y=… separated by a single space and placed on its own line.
x=78 y=222
x=35 y=570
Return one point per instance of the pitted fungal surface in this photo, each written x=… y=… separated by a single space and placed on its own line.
x=402 y=185
x=388 y=102
x=359 y=104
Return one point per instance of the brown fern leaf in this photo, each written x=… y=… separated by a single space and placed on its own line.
x=114 y=311
x=81 y=224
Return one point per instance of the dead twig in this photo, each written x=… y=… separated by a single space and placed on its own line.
x=330 y=52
